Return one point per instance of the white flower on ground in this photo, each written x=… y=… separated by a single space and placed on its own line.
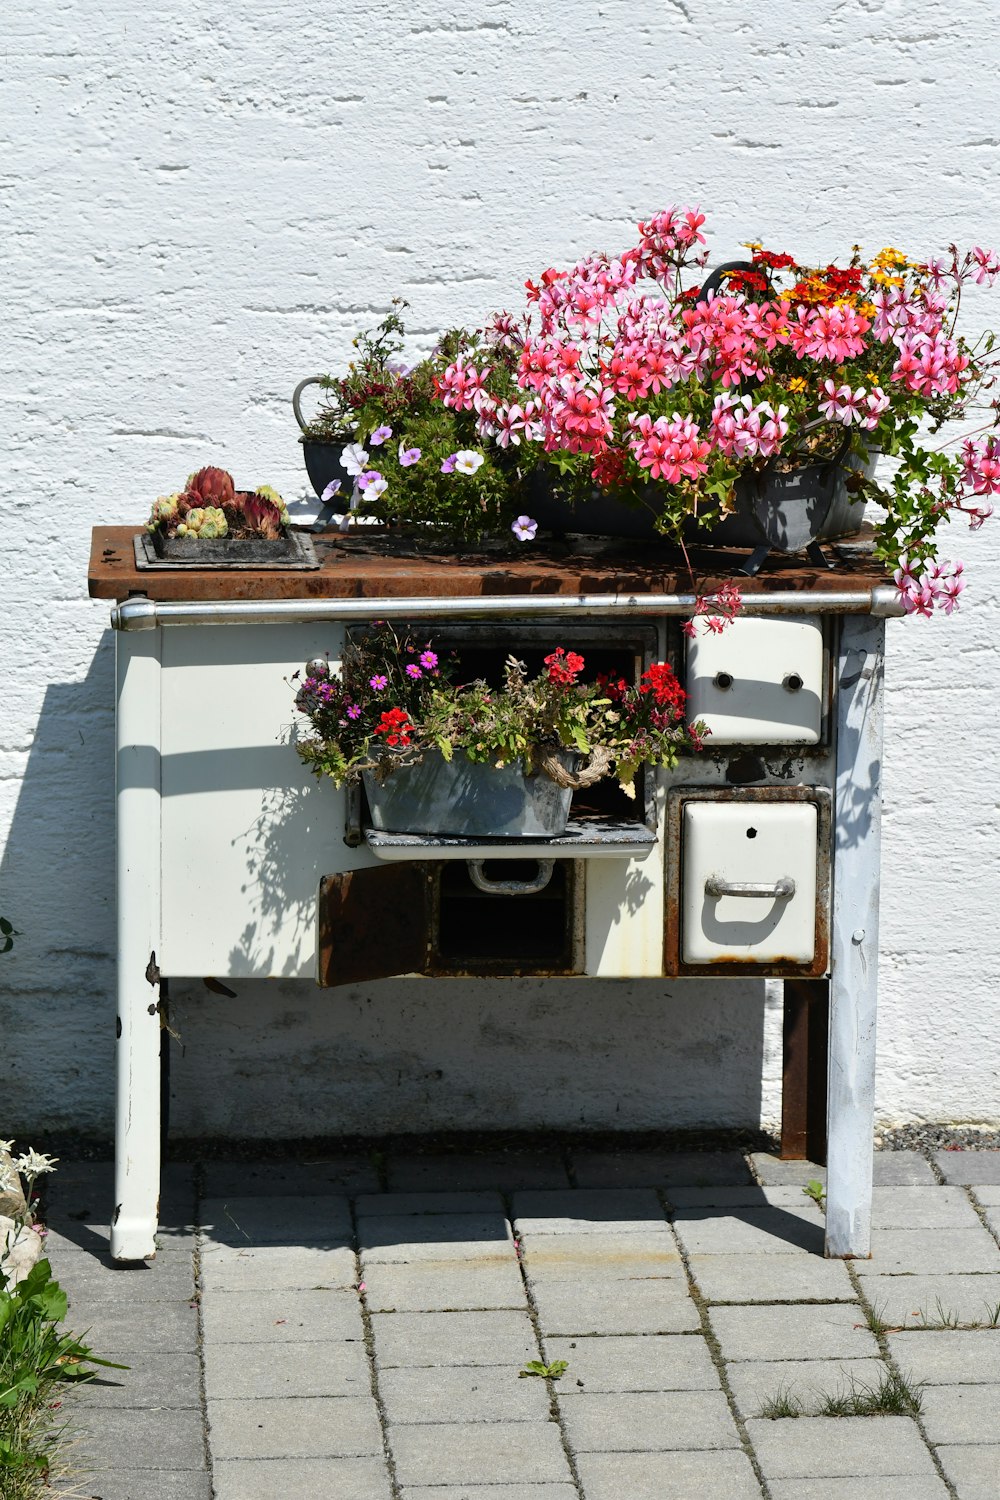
x=524 y=528
x=354 y=458
x=467 y=461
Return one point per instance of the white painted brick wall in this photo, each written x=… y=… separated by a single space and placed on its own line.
x=202 y=203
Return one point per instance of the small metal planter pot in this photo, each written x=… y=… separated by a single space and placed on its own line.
x=322 y=460
x=464 y=799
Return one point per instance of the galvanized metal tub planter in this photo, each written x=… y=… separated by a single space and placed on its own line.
x=466 y=799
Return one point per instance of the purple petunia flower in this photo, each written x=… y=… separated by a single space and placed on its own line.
x=371 y=477
x=429 y=660
x=524 y=528
x=408 y=456
x=379 y=436
x=448 y=467
x=378 y=682
x=332 y=489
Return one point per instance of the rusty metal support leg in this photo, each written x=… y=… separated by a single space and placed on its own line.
x=804 y=1070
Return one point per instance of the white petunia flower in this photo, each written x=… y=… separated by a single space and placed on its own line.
x=467 y=461
x=354 y=458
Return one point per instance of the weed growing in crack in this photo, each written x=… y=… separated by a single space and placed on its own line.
x=782 y=1404
x=815 y=1190
x=547 y=1372
x=894 y=1396
x=945 y=1318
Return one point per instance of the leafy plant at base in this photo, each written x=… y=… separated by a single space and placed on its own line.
x=392 y=702
x=35 y=1359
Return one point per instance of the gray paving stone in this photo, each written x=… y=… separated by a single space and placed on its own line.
x=268 y=1370
x=969 y=1166
x=109 y=1439
x=435 y=1237
x=972 y=1469
x=949 y=1358
x=485 y=1393
x=608 y=1169
x=890 y=1169
x=280 y=1317
x=634 y=1362
x=502 y=1171
x=579 y=1308
x=302 y=1479
x=459 y=1453
x=886 y=1487
x=96 y=1278
x=395 y=1205
x=444 y=1286
x=667 y=1476
x=839 y=1447
x=961 y=1413
x=756 y=1382
x=771 y=1278
x=749 y=1231
x=140 y=1484
x=988 y=1194
x=151 y=1380
x=553 y=1491
x=918 y=1301
x=922 y=1208
x=453 y=1338
x=930 y=1252
x=144 y=1327
x=557 y=1257
x=752 y=1196
x=647 y=1421
x=268 y=1221
x=351 y=1174
x=992 y=1215
x=793 y=1332
x=261 y=1268
x=295 y=1427
x=613 y=1210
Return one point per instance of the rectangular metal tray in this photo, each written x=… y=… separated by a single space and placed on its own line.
x=295 y=551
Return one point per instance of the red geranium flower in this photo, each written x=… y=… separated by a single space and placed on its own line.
x=395 y=725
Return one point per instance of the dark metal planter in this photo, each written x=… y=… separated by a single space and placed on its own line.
x=464 y=799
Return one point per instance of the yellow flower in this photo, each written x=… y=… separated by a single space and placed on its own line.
x=867 y=309
x=751 y=244
x=887 y=258
x=797 y=383
x=882 y=278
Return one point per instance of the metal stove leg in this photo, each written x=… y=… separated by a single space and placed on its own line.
x=854 y=937
x=755 y=561
x=137 y=1127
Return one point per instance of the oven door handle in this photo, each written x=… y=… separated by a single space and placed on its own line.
x=715 y=886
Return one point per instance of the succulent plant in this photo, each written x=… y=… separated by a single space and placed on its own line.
x=212 y=486
x=207 y=522
x=209 y=507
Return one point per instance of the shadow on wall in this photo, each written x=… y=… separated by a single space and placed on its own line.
x=57 y=879
x=286 y=1059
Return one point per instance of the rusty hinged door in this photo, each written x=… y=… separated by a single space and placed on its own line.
x=373 y=924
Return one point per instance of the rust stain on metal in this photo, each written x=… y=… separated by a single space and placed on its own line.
x=377 y=572
x=372 y=924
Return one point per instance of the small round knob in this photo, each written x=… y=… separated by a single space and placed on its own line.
x=792 y=682
x=723 y=681
x=318 y=667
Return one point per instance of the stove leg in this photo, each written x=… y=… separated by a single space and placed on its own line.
x=854 y=936
x=137 y=1127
